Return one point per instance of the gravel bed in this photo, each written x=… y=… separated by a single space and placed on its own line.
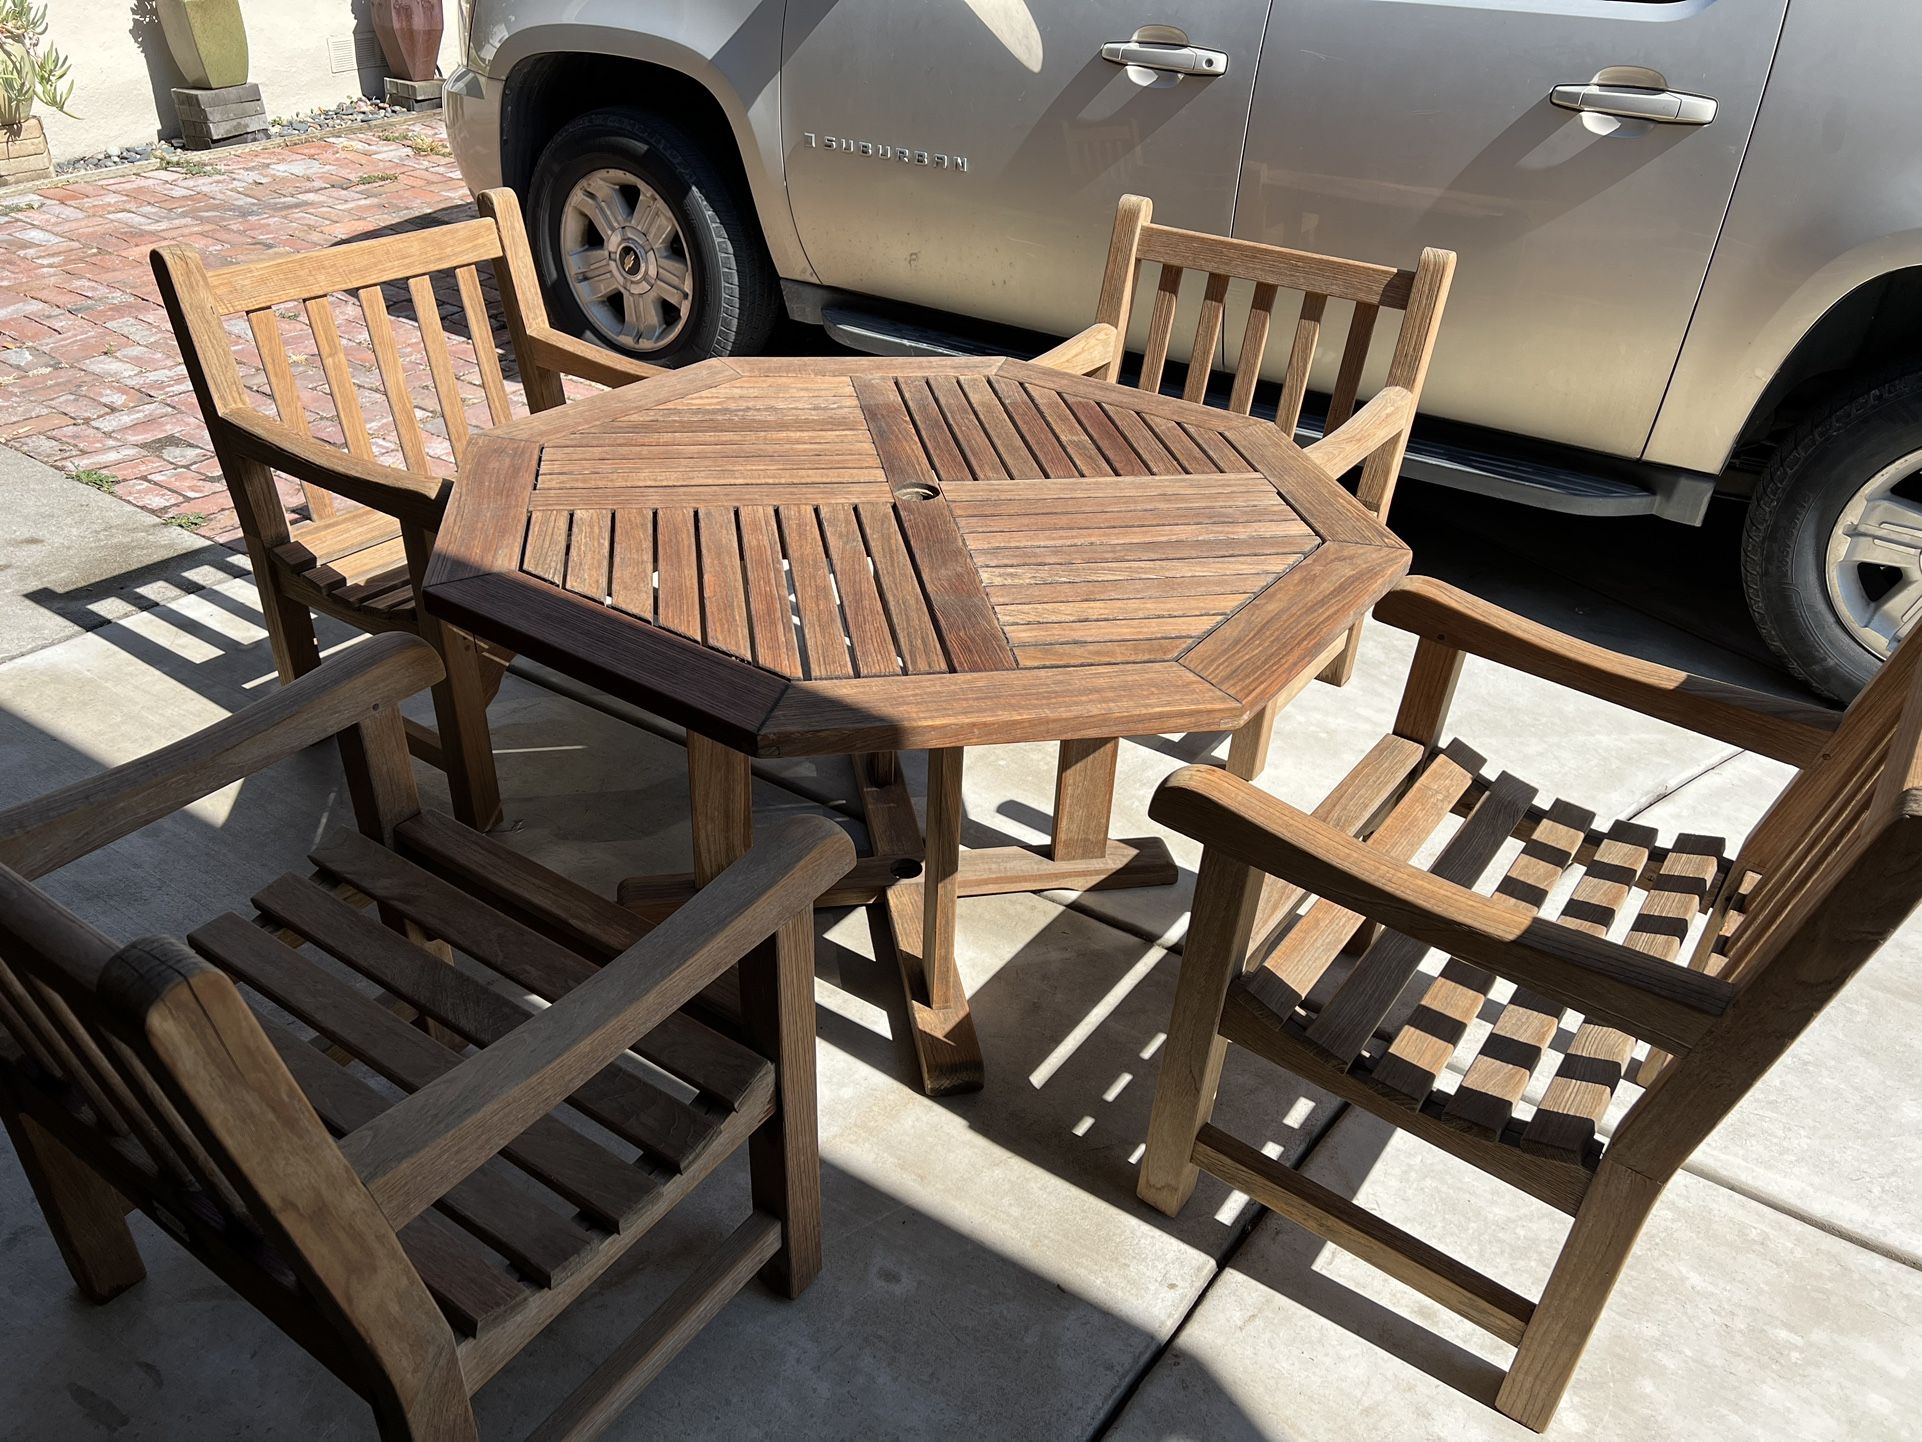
x=357 y=111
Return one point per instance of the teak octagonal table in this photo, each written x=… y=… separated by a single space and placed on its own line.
x=856 y=556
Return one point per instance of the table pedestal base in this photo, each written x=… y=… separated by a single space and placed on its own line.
x=910 y=883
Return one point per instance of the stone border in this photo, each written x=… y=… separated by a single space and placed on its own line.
x=200 y=157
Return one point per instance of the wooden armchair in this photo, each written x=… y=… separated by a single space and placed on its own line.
x=1374 y=438
x=364 y=565
x=1722 y=965
x=413 y=1246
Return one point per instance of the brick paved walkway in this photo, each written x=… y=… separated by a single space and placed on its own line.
x=90 y=378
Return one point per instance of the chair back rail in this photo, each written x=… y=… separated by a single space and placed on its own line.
x=1830 y=872
x=322 y=341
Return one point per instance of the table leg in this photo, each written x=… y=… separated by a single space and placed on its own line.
x=942 y=868
x=1083 y=799
x=915 y=918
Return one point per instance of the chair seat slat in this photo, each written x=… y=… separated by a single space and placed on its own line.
x=1343 y=1026
x=1571 y=1110
x=624 y=1098
x=608 y=1189
x=1291 y=971
x=710 y=1062
x=544 y=1242
x=582 y=919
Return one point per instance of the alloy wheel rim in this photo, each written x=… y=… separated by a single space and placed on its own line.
x=626 y=260
x=1874 y=561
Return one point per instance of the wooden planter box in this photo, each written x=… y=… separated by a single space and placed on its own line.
x=23 y=153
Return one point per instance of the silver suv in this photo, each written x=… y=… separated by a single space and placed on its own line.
x=1690 y=230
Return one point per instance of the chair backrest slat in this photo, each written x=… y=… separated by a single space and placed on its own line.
x=481 y=328
x=1301 y=361
x=1161 y=326
x=393 y=377
x=49 y=966
x=340 y=380
x=440 y=365
x=1354 y=356
x=285 y=390
x=1254 y=345
x=1201 y=355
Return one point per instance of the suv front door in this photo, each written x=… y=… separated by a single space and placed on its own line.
x=967 y=154
x=1381 y=126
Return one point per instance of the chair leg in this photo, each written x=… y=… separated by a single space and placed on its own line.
x=784 y=1155
x=467 y=750
x=87 y=1217
x=1604 y=1233
x=1226 y=895
x=290 y=627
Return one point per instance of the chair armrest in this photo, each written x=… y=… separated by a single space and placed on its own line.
x=413 y=1153
x=571 y=356
x=414 y=499
x=1791 y=731
x=1369 y=429
x=1666 y=1004
x=1082 y=354
x=41 y=835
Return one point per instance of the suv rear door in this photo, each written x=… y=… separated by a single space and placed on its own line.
x=883 y=102
x=1381 y=126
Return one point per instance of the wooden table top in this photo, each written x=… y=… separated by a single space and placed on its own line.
x=802 y=557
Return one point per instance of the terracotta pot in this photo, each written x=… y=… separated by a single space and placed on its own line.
x=208 y=41
x=409 y=32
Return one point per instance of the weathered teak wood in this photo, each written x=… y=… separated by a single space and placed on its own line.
x=413 y=1245
x=853 y=556
x=1374 y=438
x=1722 y=962
x=364 y=565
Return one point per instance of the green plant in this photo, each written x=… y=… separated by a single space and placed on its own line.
x=187 y=521
x=99 y=480
x=29 y=71
x=376 y=177
x=183 y=166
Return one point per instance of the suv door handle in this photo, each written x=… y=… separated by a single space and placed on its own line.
x=1631 y=102
x=1173 y=59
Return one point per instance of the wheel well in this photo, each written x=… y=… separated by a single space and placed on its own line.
x=544 y=92
x=1871 y=328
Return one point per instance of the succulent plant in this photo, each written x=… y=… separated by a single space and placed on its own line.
x=30 y=70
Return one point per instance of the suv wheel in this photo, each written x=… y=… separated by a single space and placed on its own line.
x=1832 y=549
x=643 y=245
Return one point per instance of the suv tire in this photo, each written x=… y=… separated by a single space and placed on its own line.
x=1819 y=601
x=593 y=193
